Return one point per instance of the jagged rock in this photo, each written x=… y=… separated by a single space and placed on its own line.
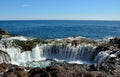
x=4 y=67
x=115 y=42
x=67 y=70
x=16 y=72
x=110 y=67
x=2 y=32
x=94 y=67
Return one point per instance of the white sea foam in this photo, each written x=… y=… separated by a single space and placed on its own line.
x=21 y=38
x=80 y=54
x=113 y=55
x=76 y=62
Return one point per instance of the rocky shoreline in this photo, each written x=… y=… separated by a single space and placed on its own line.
x=63 y=70
x=107 y=68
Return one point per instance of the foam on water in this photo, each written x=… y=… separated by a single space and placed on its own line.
x=80 y=54
x=76 y=62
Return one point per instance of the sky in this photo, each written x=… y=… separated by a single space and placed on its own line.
x=59 y=9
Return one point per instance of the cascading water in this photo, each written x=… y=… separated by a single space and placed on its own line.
x=4 y=57
x=68 y=52
x=82 y=53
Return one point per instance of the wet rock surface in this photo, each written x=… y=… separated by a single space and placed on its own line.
x=29 y=44
x=107 y=68
x=4 y=57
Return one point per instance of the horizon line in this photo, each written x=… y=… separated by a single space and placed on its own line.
x=58 y=20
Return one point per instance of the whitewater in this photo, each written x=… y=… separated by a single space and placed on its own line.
x=43 y=54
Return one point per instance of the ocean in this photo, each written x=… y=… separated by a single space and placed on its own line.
x=60 y=50
x=51 y=29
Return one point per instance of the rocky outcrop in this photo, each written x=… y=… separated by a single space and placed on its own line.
x=112 y=65
x=108 y=67
x=67 y=70
x=29 y=44
x=2 y=32
x=16 y=72
x=115 y=42
x=62 y=70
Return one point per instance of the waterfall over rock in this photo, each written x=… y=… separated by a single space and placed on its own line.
x=68 y=52
x=71 y=52
x=4 y=57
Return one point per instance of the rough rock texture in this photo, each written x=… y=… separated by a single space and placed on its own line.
x=115 y=42
x=64 y=70
x=67 y=70
x=108 y=68
x=3 y=67
x=16 y=72
x=112 y=66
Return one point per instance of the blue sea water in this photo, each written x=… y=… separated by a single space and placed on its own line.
x=51 y=29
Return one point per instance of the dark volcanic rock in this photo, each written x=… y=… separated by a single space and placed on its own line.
x=63 y=70
x=16 y=72
x=115 y=42
x=2 y=32
x=111 y=66
x=108 y=68
x=9 y=74
x=9 y=70
x=66 y=70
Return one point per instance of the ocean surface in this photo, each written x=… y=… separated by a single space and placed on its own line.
x=51 y=29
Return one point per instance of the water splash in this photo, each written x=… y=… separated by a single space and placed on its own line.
x=80 y=54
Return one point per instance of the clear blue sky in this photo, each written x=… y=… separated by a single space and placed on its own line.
x=60 y=9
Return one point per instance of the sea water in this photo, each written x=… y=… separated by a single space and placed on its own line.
x=51 y=29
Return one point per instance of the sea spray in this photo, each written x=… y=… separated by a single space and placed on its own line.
x=81 y=53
